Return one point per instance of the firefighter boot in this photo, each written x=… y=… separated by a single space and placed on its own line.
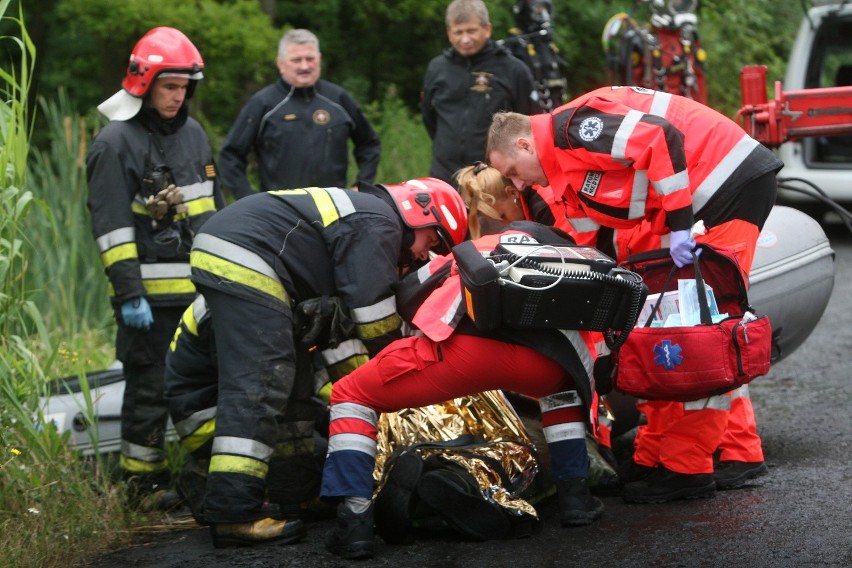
x=733 y=474
x=353 y=537
x=577 y=506
x=261 y=531
x=664 y=485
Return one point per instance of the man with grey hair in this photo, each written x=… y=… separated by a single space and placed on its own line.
x=299 y=128
x=465 y=85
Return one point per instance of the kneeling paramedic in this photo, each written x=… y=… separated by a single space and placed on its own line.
x=454 y=358
x=253 y=262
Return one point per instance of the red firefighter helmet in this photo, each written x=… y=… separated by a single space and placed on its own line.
x=430 y=202
x=162 y=52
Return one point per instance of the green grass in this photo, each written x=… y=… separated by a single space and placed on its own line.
x=57 y=508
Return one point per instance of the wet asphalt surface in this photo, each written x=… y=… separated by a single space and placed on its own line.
x=798 y=515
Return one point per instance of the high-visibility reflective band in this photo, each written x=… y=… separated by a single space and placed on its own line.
x=355 y=442
x=119 y=253
x=740 y=392
x=353 y=410
x=583 y=224
x=718 y=402
x=122 y=236
x=142 y=453
x=325 y=392
x=331 y=202
x=194 y=421
x=638 y=195
x=138 y=207
x=660 y=104
x=340 y=369
x=723 y=171
x=198 y=190
x=566 y=399
x=234 y=253
x=673 y=183
x=162 y=278
x=138 y=466
x=200 y=436
x=622 y=135
x=194 y=313
x=379 y=328
x=240 y=274
x=343 y=351
x=375 y=312
x=200 y=206
x=582 y=351
x=566 y=431
x=241 y=446
x=238 y=464
x=423 y=273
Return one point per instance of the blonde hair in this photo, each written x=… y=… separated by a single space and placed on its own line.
x=481 y=187
x=506 y=127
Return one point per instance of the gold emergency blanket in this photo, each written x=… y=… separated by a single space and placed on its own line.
x=487 y=415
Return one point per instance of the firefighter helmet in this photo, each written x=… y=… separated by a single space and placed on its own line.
x=430 y=202
x=162 y=52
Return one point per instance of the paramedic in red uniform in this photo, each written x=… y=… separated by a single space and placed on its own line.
x=627 y=154
x=454 y=358
x=256 y=259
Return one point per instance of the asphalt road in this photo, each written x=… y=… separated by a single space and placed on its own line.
x=798 y=515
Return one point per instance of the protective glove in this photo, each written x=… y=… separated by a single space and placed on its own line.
x=165 y=205
x=136 y=313
x=680 y=247
x=322 y=321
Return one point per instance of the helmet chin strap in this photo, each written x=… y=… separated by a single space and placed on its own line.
x=405 y=255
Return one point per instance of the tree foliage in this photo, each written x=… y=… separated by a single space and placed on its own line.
x=371 y=47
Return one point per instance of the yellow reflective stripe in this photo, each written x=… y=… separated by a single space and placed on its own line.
x=139 y=208
x=114 y=238
x=169 y=286
x=238 y=464
x=325 y=205
x=341 y=369
x=378 y=328
x=138 y=466
x=240 y=274
x=199 y=206
x=200 y=436
x=121 y=252
x=325 y=392
x=173 y=344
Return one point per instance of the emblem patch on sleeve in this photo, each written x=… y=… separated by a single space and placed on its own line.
x=591 y=182
x=591 y=129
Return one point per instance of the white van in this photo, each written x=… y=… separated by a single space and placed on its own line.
x=821 y=57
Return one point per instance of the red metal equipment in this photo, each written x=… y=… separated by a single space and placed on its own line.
x=792 y=114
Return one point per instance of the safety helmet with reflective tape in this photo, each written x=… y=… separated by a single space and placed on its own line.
x=430 y=202
x=162 y=52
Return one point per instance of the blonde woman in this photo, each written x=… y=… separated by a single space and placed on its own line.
x=488 y=194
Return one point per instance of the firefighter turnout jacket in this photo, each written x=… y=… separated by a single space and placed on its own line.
x=616 y=160
x=460 y=94
x=300 y=137
x=139 y=259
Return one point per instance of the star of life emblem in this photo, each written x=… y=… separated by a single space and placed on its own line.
x=667 y=355
x=591 y=128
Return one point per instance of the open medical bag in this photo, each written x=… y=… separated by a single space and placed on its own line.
x=549 y=286
x=684 y=363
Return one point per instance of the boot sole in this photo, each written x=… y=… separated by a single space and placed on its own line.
x=297 y=534
x=743 y=478
x=691 y=493
x=357 y=551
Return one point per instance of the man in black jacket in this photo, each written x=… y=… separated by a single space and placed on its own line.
x=465 y=85
x=299 y=128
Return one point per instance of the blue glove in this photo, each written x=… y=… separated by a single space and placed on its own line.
x=137 y=313
x=680 y=247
